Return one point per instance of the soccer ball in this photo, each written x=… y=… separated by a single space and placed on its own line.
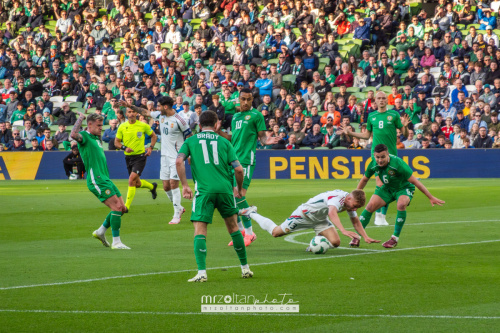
x=319 y=245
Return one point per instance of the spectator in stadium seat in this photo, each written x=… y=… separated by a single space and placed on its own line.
x=461 y=120
x=311 y=62
x=312 y=95
x=61 y=135
x=298 y=134
x=65 y=116
x=483 y=140
x=345 y=78
x=314 y=138
x=477 y=119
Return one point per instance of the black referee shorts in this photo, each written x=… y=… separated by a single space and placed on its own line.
x=135 y=163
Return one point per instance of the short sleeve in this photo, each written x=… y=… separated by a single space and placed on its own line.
x=185 y=149
x=148 y=130
x=405 y=169
x=370 y=171
x=183 y=125
x=155 y=115
x=84 y=138
x=352 y=214
x=119 y=133
x=334 y=201
x=398 y=122
x=369 y=126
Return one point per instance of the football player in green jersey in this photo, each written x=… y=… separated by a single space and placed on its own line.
x=398 y=185
x=247 y=127
x=212 y=161
x=98 y=182
x=383 y=125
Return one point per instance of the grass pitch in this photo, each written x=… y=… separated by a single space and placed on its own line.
x=443 y=276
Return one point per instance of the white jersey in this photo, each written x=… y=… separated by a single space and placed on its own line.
x=173 y=131
x=316 y=208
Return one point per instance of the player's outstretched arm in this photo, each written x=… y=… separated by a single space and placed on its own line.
x=75 y=135
x=181 y=172
x=362 y=183
x=424 y=190
x=267 y=140
x=139 y=110
x=334 y=217
x=359 y=228
x=366 y=135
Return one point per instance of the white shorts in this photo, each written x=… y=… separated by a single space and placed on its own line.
x=297 y=222
x=168 y=170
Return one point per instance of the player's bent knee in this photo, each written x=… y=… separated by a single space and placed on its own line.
x=335 y=243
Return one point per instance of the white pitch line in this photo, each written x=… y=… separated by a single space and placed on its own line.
x=317 y=257
x=167 y=313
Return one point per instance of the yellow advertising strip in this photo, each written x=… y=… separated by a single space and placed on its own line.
x=19 y=165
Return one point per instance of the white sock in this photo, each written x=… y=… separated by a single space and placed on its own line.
x=176 y=200
x=395 y=237
x=240 y=226
x=202 y=272
x=102 y=230
x=249 y=230
x=169 y=195
x=117 y=240
x=245 y=267
x=264 y=222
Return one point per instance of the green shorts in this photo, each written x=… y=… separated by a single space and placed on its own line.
x=247 y=176
x=204 y=205
x=390 y=195
x=103 y=188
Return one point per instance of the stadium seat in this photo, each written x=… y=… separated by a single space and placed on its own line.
x=471 y=89
x=91 y=110
x=367 y=89
x=321 y=148
x=435 y=70
x=273 y=61
x=75 y=105
x=112 y=57
x=335 y=90
x=386 y=89
x=56 y=99
x=340 y=147
x=353 y=90
x=305 y=148
x=360 y=95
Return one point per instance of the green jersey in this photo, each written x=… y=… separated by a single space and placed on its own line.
x=383 y=125
x=93 y=157
x=211 y=157
x=394 y=175
x=246 y=127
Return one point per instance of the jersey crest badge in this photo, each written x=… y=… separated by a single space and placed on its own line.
x=139 y=134
x=373 y=118
x=172 y=125
x=389 y=118
x=248 y=117
x=108 y=192
x=162 y=120
x=391 y=172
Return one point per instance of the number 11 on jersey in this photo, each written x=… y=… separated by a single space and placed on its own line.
x=215 y=156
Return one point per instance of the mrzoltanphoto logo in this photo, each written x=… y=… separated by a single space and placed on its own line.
x=249 y=303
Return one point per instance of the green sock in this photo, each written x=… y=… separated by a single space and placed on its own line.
x=146 y=184
x=116 y=222
x=400 y=221
x=200 y=251
x=365 y=218
x=242 y=203
x=130 y=196
x=107 y=221
x=239 y=246
x=383 y=210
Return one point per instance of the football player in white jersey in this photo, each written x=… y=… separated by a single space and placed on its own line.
x=174 y=130
x=321 y=214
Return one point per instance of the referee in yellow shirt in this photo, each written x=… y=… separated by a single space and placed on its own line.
x=132 y=133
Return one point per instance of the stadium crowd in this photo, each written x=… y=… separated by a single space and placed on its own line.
x=311 y=65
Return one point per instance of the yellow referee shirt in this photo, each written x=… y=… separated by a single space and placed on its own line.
x=133 y=135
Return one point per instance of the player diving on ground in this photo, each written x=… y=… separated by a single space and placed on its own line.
x=321 y=214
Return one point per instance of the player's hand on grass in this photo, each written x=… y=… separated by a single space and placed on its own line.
x=129 y=150
x=436 y=201
x=371 y=240
x=149 y=151
x=187 y=193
